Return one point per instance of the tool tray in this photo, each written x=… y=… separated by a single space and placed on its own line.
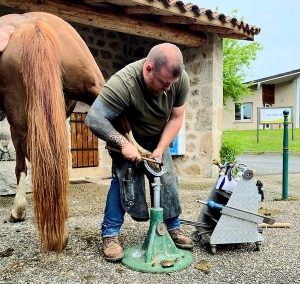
x=230 y=226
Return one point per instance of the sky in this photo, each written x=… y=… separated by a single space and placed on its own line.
x=279 y=35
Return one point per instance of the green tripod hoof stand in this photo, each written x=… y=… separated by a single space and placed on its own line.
x=158 y=253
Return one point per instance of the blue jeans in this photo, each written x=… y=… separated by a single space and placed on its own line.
x=114 y=212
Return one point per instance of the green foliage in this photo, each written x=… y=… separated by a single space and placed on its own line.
x=237 y=56
x=230 y=149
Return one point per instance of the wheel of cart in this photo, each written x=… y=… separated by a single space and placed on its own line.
x=196 y=237
x=258 y=246
x=213 y=249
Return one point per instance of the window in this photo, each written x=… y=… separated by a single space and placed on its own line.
x=243 y=112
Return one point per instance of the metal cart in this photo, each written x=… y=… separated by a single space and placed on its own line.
x=230 y=214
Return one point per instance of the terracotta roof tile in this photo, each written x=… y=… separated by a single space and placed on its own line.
x=194 y=18
x=198 y=12
x=170 y=20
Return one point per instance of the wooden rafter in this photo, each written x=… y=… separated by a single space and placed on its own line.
x=106 y=19
x=166 y=20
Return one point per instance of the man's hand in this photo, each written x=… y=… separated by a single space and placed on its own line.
x=157 y=153
x=130 y=152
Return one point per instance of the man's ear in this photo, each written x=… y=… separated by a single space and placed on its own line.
x=148 y=69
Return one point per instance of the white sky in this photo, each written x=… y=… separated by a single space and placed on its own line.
x=279 y=36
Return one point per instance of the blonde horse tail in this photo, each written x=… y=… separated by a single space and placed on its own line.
x=47 y=141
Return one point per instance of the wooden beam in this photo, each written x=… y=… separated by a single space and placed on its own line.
x=235 y=36
x=211 y=29
x=98 y=17
x=173 y=10
x=143 y=10
x=116 y=2
x=177 y=20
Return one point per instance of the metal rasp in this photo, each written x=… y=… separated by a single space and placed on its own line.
x=213 y=205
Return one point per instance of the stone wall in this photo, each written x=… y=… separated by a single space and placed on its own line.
x=204 y=109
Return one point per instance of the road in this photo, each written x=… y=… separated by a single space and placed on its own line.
x=270 y=164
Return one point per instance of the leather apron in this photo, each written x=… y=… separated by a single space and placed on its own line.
x=133 y=190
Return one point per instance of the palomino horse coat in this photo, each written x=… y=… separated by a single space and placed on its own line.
x=44 y=70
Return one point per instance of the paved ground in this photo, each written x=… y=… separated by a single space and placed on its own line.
x=270 y=164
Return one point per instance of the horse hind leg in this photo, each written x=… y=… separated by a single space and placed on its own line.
x=143 y=152
x=18 y=212
x=124 y=127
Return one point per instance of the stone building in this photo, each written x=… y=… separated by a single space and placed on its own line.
x=119 y=32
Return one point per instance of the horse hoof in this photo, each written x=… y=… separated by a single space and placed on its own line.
x=55 y=248
x=12 y=219
x=65 y=242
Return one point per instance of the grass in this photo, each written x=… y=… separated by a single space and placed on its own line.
x=269 y=140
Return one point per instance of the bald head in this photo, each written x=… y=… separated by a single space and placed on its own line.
x=166 y=55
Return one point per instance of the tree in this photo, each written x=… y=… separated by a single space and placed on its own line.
x=236 y=57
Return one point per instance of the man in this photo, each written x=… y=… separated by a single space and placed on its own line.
x=152 y=93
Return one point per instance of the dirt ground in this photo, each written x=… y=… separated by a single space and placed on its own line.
x=82 y=261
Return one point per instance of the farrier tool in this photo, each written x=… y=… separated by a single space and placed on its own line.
x=239 y=213
x=158 y=253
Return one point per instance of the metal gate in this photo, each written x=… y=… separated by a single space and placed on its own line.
x=84 y=144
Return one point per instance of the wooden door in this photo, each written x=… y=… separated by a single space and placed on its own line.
x=84 y=144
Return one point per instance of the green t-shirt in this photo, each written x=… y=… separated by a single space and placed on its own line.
x=147 y=114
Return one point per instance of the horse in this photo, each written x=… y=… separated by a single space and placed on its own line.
x=44 y=70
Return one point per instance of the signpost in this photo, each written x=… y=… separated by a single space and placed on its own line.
x=285 y=169
x=274 y=115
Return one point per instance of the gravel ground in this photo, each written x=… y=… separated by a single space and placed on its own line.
x=82 y=261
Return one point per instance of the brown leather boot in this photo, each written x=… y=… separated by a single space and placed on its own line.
x=112 y=248
x=180 y=240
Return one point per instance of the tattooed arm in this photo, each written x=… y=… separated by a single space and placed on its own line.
x=99 y=119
